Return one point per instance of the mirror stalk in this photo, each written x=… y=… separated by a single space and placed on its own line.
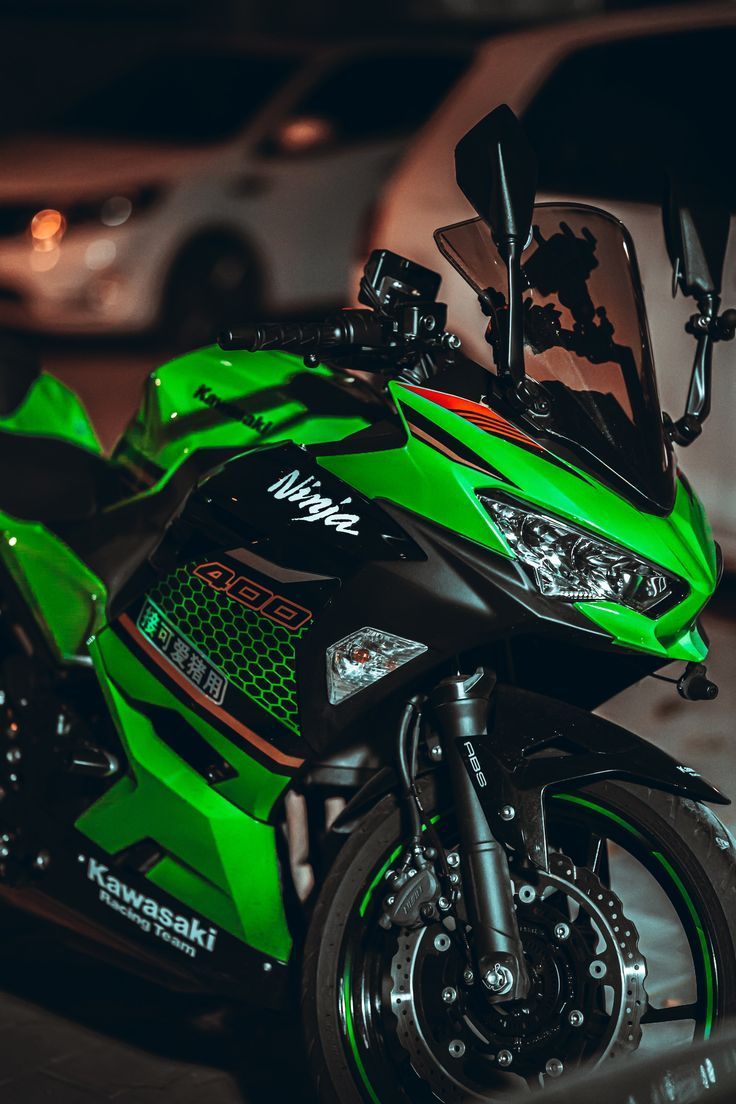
x=514 y=367
x=707 y=327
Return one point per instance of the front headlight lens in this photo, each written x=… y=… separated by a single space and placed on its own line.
x=572 y=564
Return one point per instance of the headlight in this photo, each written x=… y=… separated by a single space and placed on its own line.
x=572 y=564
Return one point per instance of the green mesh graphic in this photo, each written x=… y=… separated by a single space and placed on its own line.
x=255 y=654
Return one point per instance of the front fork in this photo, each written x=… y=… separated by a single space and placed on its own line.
x=460 y=706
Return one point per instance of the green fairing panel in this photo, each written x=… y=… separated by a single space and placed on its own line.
x=425 y=481
x=221 y=857
x=66 y=598
x=209 y=399
x=51 y=409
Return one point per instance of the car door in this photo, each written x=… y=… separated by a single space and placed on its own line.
x=605 y=124
x=321 y=165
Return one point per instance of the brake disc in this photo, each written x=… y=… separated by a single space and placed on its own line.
x=586 y=999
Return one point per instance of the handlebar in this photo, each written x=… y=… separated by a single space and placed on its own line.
x=349 y=328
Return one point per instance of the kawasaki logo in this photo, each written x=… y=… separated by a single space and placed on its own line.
x=183 y=933
x=316 y=507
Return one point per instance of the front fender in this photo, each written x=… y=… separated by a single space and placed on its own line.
x=535 y=745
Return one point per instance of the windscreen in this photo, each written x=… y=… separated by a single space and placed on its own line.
x=585 y=339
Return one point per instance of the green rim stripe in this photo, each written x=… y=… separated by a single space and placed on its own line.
x=381 y=873
x=575 y=800
x=702 y=938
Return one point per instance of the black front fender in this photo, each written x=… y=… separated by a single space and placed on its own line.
x=536 y=745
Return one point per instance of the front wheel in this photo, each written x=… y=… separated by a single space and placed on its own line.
x=630 y=941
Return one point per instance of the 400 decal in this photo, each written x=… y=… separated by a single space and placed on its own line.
x=253 y=595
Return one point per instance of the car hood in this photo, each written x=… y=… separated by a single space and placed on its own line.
x=53 y=169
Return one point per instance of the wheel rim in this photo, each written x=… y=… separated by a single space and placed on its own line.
x=372 y=1050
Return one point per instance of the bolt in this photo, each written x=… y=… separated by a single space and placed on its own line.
x=435 y=752
x=508 y=812
x=390 y=901
x=454 y=878
x=443 y=904
x=504 y=1058
x=412 y=873
x=576 y=1018
x=562 y=931
x=13 y=755
x=499 y=980
x=429 y=323
x=267 y=967
x=453 y=860
x=449 y=995
x=468 y=976
x=597 y=968
x=442 y=942
x=554 y=1067
x=527 y=894
x=456 y=1048
x=4 y=853
x=42 y=860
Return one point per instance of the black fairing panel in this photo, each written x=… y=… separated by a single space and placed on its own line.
x=392 y=570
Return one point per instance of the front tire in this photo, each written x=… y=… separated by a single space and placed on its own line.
x=680 y=846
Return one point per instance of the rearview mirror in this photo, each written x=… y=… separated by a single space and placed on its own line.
x=496 y=170
x=696 y=227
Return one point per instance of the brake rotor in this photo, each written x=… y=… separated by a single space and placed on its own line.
x=585 y=1003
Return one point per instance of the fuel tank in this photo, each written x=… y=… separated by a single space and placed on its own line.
x=210 y=400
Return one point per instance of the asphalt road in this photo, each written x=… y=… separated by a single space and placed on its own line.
x=76 y=1031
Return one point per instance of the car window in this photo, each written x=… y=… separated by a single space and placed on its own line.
x=182 y=98
x=611 y=117
x=367 y=98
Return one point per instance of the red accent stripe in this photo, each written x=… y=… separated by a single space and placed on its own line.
x=202 y=699
x=483 y=416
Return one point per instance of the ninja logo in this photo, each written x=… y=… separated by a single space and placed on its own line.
x=317 y=507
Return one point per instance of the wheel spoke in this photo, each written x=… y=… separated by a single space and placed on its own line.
x=670 y=1014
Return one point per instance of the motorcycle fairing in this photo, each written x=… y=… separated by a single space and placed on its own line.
x=208 y=399
x=443 y=489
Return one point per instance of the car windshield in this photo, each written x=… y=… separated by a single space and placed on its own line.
x=586 y=342
x=185 y=98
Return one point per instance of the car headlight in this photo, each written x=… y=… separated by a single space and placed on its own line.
x=570 y=563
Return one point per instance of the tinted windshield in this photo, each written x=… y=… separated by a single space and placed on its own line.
x=585 y=336
x=183 y=98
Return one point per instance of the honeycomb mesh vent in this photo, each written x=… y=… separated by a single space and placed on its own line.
x=255 y=654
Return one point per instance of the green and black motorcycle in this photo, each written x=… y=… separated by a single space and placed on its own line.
x=296 y=688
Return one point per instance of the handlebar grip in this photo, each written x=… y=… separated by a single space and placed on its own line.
x=268 y=335
x=346 y=328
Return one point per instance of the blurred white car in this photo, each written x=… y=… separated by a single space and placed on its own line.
x=205 y=184
x=603 y=101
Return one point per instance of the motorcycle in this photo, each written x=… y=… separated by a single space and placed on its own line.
x=297 y=686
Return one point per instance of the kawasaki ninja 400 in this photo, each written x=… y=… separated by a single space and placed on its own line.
x=300 y=680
